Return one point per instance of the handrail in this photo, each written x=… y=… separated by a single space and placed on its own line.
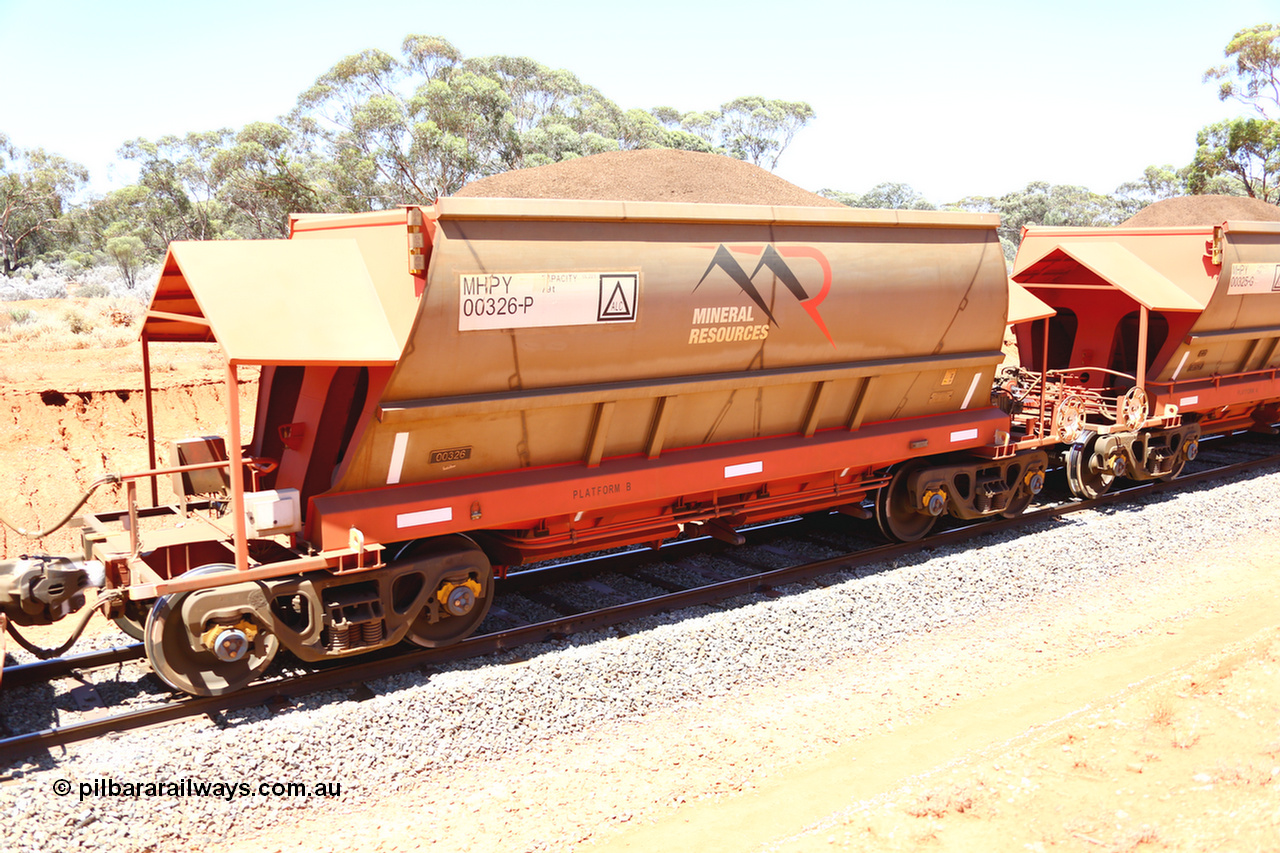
x=1217 y=378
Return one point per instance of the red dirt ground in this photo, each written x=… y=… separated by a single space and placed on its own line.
x=73 y=415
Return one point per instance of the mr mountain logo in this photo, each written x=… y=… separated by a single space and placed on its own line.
x=739 y=323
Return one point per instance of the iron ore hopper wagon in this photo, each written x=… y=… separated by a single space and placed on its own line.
x=1158 y=335
x=447 y=393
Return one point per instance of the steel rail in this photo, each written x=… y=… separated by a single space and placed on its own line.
x=25 y=674
x=355 y=673
x=36 y=672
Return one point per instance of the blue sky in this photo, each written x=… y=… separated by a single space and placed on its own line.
x=954 y=98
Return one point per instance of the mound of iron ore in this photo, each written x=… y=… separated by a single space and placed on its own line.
x=1203 y=210
x=651 y=174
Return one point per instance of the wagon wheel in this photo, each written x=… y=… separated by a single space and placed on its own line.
x=202 y=673
x=1188 y=449
x=1086 y=474
x=1031 y=484
x=459 y=579
x=896 y=512
x=1179 y=462
x=1017 y=506
x=1131 y=410
x=1068 y=417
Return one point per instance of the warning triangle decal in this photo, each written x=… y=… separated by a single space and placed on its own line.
x=618 y=294
x=617 y=306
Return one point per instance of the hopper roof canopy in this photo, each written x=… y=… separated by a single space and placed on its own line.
x=273 y=302
x=1109 y=263
x=1025 y=307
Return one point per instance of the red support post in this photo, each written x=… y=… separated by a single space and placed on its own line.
x=236 y=458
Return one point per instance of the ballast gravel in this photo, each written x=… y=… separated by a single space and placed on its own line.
x=418 y=728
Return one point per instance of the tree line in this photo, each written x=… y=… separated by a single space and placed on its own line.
x=377 y=131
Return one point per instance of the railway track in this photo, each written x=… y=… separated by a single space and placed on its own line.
x=555 y=601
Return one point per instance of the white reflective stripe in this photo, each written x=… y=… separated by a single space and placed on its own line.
x=578 y=517
x=1180 y=363
x=973 y=386
x=426 y=516
x=744 y=469
x=964 y=435
x=1189 y=401
x=397 y=458
x=844 y=473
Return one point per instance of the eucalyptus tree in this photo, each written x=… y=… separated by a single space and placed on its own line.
x=750 y=128
x=1244 y=149
x=888 y=195
x=178 y=186
x=406 y=130
x=540 y=96
x=1042 y=203
x=759 y=130
x=1156 y=184
x=262 y=176
x=641 y=129
x=392 y=130
x=36 y=189
x=1247 y=149
x=1253 y=76
x=205 y=186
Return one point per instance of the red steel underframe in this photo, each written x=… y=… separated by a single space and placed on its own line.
x=831 y=459
x=827 y=469
x=1250 y=389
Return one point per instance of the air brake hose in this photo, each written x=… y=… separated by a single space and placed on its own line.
x=105 y=597
x=105 y=479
